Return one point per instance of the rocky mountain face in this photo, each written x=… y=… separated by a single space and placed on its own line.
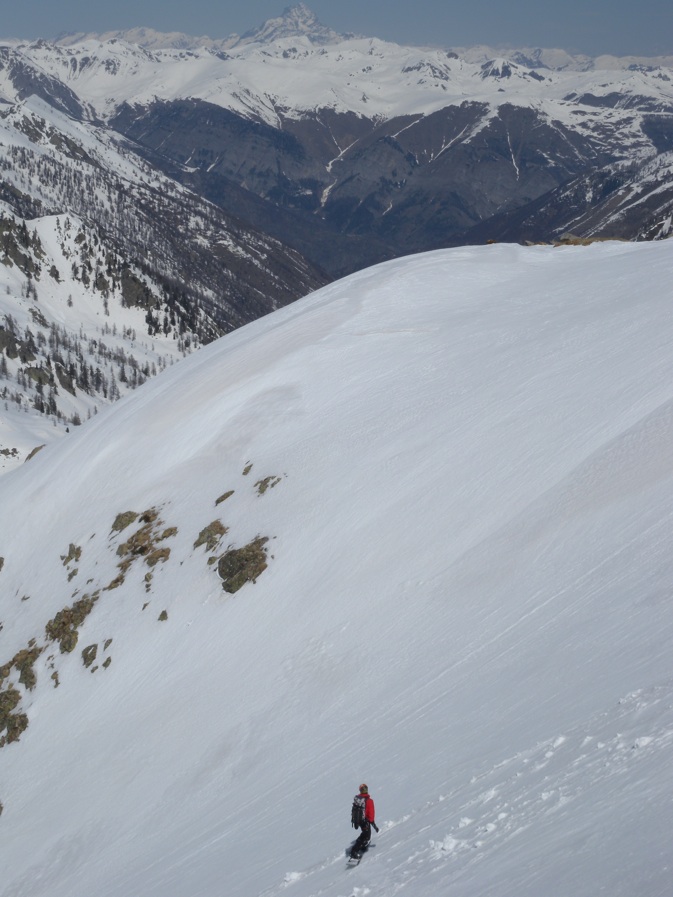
x=626 y=200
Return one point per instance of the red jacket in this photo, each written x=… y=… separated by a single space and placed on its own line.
x=370 y=813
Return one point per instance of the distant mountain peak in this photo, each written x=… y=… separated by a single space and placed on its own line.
x=295 y=21
x=146 y=38
x=498 y=68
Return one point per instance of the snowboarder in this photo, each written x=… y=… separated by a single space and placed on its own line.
x=363 y=817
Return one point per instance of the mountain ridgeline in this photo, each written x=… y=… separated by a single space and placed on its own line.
x=209 y=182
x=353 y=150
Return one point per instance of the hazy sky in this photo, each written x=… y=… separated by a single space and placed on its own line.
x=622 y=27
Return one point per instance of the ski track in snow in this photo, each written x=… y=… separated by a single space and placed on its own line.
x=529 y=791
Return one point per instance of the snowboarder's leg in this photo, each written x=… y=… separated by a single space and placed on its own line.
x=362 y=842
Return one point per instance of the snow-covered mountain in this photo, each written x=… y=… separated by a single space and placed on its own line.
x=227 y=181
x=562 y=60
x=631 y=197
x=286 y=72
x=299 y=21
x=79 y=327
x=97 y=244
x=413 y=530
x=295 y=21
x=408 y=147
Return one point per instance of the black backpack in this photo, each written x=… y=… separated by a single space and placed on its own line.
x=358 y=811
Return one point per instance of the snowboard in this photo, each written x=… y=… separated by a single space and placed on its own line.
x=355 y=860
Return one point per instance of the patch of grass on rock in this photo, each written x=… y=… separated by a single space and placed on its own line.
x=24 y=662
x=123 y=520
x=240 y=565
x=210 y=535
x=89 y=655
x=74 y=554
x=34 y=452
x=11 y=724
x=159 y=554
x=143 y=542
x=140 y=542
x=266 y=483
x=115 y=583
x=63 y=628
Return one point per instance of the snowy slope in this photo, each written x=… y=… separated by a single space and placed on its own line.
x=85 y=345
x=109 y=242
x=461 y=461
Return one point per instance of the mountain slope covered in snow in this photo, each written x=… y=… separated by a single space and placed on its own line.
x=95 y=244
x=212 y=182
x=79 y=327
x=413 y=530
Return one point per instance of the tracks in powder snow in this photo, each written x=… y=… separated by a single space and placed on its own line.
x=551 y=791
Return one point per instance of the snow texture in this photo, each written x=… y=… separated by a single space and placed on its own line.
x=462 y=463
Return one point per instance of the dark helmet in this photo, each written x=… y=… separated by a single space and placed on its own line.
x=364 y=789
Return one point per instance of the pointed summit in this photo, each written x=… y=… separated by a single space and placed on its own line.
x=296 y=21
